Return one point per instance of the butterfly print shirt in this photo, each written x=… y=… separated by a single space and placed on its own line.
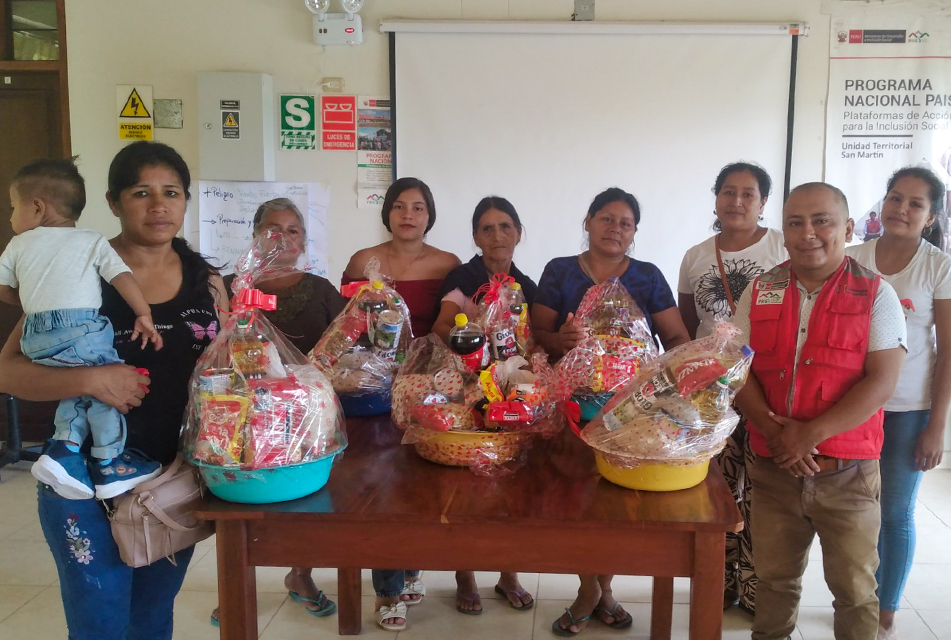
x=188 y=323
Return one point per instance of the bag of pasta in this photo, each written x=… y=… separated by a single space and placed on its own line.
x=363 y=347
x=255 y=401
x=458 y=417
x=677 y=409
x=617 y=342
x=503 y=314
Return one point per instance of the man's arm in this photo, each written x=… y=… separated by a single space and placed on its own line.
x=858 y=405
x=752 y=402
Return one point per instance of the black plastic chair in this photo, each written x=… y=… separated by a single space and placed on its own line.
x=14 y=450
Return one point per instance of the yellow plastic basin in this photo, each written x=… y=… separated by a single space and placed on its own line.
x=472 y=448
x=654 y=476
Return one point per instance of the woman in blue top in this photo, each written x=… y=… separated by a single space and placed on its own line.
x=611 y=224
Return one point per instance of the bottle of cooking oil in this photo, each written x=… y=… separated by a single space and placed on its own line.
x=713 y=402
x=248 y=352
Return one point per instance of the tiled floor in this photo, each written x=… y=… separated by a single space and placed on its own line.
x=30 y=606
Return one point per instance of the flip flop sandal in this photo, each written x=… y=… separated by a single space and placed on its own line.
x=557 y=629
x=622 y=622
x=413 y=587
x=518 y=593
x=329 y=607
x=213 y=618
x=390 y=611
x=471 y=599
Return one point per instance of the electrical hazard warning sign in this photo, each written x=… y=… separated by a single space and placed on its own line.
x=231 y=125
x=134 y=110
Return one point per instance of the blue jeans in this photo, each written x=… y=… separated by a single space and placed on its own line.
x=388 y=583
x=900 y=480
x=77 y=338
x=105 y=599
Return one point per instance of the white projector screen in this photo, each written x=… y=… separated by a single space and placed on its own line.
x=549 y=121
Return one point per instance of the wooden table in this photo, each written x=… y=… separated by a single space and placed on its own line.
x=555 y=515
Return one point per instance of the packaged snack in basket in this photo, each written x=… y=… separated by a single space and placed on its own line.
x=363 y=347
x=503 y=314
x=618 y=342
x=457 y=416
x=255 y=401
x=677 y=407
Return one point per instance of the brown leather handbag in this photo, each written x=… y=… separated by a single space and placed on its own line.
x=156 y=519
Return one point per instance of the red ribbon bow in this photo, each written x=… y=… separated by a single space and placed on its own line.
x=256 y=299
x=352 y=288
x=491 y=289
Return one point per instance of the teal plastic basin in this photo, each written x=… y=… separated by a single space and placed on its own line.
x=273 y=484
x=590 y=404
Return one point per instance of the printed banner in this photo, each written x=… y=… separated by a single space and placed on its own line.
x=374 y=151
x=889 y=103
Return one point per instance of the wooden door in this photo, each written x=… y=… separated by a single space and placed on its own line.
x=30 y=127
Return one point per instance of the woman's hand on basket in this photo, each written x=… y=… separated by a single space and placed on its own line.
x=570 y=334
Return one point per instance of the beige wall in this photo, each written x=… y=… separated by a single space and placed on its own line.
x=164 y=44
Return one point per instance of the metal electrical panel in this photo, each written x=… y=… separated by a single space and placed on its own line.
x=236 y=126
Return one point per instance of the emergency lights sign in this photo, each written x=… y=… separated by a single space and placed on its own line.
x=339 y=123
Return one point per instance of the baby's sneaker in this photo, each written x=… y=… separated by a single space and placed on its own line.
x=64 y=470
x=122 y=473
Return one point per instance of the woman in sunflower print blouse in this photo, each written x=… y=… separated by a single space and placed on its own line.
x=745 y=249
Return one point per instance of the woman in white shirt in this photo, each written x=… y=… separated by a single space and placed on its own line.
x=916 y=415
x=713 y=276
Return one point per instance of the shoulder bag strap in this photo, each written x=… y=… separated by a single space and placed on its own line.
x=149 y=503
x=726 y=284
x=586 y=269
x=164 y=477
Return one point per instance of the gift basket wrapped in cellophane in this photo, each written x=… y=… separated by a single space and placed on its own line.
x=363 y=347
x=617 y=341
x=481 y=419
x=262 y=423
x=660 y=431
x=503 y=314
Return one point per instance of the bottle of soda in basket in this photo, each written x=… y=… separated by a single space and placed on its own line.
x=374 y=300
x=502 y=331
x=468 y=340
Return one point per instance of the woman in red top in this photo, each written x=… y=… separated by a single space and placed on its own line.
x=417 y=268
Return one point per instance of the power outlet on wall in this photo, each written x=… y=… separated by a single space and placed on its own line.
x=584 y=10
x=331 y=85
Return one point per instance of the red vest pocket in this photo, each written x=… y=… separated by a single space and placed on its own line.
x=847 y=330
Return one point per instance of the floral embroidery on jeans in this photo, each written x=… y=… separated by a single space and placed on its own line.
x=75 y=540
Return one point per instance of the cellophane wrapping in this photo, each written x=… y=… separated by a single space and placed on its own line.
x=503 y=314
x=363 y=347
x=254 y=399
x=435 y=393
x=677 y=408
x=617 y=342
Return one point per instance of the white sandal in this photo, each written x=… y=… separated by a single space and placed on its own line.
x=390 y=611
x=413 y=587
